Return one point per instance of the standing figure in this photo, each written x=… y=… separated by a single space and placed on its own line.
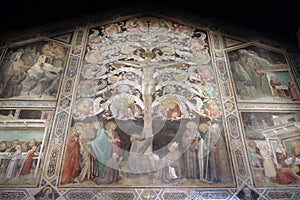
x=269 y=168
x=100 y=146
x=219 y=168
x=27 y=163
x=207 y=152
x=256 y=67
x=276 y=84
x=71 y=165
x=113 y=137
x=88 y=164
x=255 y=157
x=192 y=145
x=295 y=152
x=11 y=170
x=292 y=91
x=28 y=145
x=12 y=147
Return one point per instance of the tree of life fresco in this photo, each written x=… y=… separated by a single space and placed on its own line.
x=147 y=110
x=261 y=75
x=32 y=71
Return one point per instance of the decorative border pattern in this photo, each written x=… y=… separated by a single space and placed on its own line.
x=233 y=124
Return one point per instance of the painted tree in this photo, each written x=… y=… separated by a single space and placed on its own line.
x=147 y=69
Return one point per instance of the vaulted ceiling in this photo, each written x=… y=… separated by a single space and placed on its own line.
x=278 y=18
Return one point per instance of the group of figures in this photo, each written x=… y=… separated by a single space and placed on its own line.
x=141 y=88
x=18 y=159
x=261 y=76
x=280 y=168
x=34 y=70
x=96 y=152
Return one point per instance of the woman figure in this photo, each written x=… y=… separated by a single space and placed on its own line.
x=11 y=170
x=27 y=163
x=100 y=146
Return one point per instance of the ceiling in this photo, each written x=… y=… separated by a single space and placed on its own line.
x=278 y=18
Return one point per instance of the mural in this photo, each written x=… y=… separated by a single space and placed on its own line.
x=23 y=135
x=262 y=75
x=32 y=71
x=148 y=108
x=147 y=113
x=273 y=147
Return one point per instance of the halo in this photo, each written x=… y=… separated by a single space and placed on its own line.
x=203 y=127
x=191 y=125
x=169 y=101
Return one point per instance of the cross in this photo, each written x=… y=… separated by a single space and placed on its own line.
x=148 y=83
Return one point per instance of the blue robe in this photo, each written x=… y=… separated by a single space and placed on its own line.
x=101 y=148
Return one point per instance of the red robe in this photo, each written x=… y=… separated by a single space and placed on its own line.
x=285 y=176
x=292 y=91
x=71 y=163
x=26 y=166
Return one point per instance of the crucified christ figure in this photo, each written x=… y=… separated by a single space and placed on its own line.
x=148 y=84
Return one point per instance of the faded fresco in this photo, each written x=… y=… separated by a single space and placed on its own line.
x=23 y=135
x=148 y=108
x=262 y=75
x=32 y=71
x=147 y=111
x=273 y=142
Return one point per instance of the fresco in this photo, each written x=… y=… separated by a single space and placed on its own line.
x=147 y=113
x=23 y=135
x=32 y=71
x=142 y=107
x=262 y=75
x=273 y=141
